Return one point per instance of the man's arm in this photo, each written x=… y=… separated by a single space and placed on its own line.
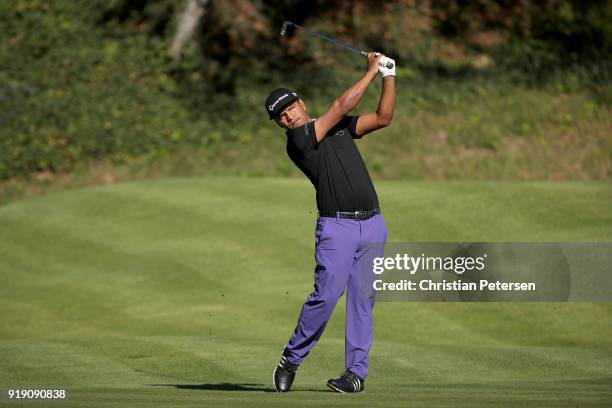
x=347 y=101
x=372 y=121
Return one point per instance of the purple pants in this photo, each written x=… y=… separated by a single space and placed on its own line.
x=342 y=247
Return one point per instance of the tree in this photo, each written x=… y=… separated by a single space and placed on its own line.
x=188 y=23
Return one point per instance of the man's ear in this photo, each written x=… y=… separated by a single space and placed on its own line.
x=303 y=105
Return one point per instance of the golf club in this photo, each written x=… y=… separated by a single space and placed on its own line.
x=288 y=24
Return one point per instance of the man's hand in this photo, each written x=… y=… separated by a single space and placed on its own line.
x=383 y=67
x=373 y=61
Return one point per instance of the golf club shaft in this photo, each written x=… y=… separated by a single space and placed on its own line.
x=333 y=40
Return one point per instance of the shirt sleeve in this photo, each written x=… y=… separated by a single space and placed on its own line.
x=303 y=138
x=352 y=126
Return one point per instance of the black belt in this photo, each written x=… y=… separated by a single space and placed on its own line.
x=355 y=215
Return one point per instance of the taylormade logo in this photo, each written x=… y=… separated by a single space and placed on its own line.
x=271 y=107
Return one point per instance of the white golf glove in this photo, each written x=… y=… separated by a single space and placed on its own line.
x=382 y=67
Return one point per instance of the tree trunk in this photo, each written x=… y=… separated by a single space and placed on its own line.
x=187 y=26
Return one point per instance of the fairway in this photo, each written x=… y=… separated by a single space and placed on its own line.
x=183 y=292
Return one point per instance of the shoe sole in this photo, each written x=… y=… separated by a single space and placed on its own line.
x=334 y=388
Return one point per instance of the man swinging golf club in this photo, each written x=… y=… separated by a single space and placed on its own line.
x=350 y=228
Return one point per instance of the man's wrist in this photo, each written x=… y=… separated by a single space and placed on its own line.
x=371 y=74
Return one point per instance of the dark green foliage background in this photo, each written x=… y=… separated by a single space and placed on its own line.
x=93 y=80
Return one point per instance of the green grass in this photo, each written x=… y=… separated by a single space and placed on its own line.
x=182 y=292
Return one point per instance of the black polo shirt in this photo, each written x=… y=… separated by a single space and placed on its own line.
x=334 y=166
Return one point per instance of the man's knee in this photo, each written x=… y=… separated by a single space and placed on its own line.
x=326 y=296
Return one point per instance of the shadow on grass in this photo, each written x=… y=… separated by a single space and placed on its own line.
x=227 y=387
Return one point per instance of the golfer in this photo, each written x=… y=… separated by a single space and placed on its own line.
x=350 y=228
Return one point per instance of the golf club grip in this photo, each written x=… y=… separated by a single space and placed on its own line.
x=388 y=65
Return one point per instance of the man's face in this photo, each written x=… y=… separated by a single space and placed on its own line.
x=294 y=115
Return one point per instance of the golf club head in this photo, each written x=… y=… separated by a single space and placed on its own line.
x=286 y=29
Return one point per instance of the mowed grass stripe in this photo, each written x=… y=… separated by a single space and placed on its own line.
x=500 y=323
x=457 y=363
x=249 y=240
x=479 y=211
